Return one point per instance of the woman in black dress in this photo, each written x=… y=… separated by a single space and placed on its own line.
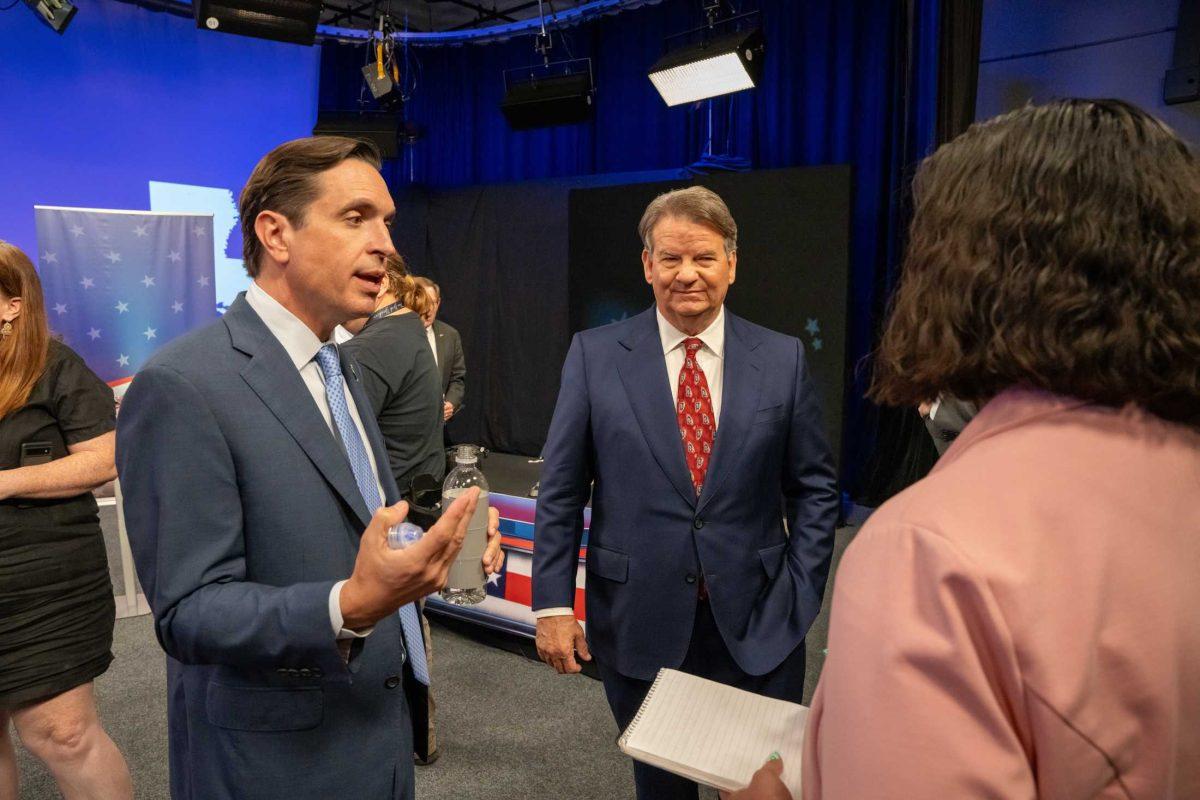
x=56 y=598
x=402 y=379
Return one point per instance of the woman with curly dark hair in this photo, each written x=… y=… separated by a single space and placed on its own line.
x=1025 y=622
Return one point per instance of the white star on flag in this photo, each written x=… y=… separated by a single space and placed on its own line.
x=198 y=230
x=76 y=231
x=150 y=333
x=113 y=256
x=123 y=360
x=817 y=343
x=94 y=334
x=49 y=258
x=140 y=231
x=147 y=281
x=177 y=306
x=494 y=578
x=87 y=283
x=202 y=280
x=813 y=327
x=121 y=307
x=60 y=308
x=175 y=256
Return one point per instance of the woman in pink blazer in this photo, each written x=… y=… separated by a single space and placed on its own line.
x=1025 y=622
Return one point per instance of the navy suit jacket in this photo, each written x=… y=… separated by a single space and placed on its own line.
x=651 y=537
x=243 y=512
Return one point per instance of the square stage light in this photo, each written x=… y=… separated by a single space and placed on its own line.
x=721 y=65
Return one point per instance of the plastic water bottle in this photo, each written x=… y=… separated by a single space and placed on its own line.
x=465 y=585
x=404 y=535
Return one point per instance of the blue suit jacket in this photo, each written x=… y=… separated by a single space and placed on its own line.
x=650 y=536
x=243 y=512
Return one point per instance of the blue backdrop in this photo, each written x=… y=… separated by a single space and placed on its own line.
x=845 y=82
x=129 y=96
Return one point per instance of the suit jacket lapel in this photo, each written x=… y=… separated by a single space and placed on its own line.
x=643 y=372
x=274 y=378
x=740 y=389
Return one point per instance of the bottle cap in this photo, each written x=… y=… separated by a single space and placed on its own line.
x=466 y=454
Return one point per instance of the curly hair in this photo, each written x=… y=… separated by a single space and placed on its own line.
x=1055 y=247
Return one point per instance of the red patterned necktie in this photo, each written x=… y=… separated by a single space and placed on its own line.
x=693 y=406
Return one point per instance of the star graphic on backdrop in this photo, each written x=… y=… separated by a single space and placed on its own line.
x=147 y=281
x=198 y=230
x=121 y=307
x=813 y=327
x=624 y=315
x=49 y=258
x=177 y=306
x=76 y=231
x=94 y=334
x=817 y=343
x=113 y=256
x=150 y=333
x=123 y=361
x=494 y=579
x=202 y=280
x=176 y=256
x=60 y=308
x=140 y=231
x=87 y=283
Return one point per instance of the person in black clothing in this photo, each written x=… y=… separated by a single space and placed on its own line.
x=56 y=598
x=401 y=378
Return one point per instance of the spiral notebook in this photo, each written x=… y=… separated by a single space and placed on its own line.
x=714 y=734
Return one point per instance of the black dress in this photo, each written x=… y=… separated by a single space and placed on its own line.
x=56 y=597
x=402 y=380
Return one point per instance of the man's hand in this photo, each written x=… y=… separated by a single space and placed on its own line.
x=767 y=784
x=447 y=411
x=493 y=556
x=386 y=579
x=558 y=640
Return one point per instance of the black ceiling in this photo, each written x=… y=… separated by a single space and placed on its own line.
x=436 y=15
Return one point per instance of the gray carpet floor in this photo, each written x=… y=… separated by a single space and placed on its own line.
x=508 y=727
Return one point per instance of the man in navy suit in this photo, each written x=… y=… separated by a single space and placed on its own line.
x=702 y=435
x=257 y=496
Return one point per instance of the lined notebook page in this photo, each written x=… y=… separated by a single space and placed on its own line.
x=713 y=733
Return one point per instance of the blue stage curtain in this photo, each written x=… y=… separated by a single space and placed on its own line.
x=845 y=83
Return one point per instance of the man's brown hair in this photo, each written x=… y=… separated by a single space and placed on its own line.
x=285 y=181
x=1055 y=247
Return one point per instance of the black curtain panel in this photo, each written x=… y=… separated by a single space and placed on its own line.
x=903 y=450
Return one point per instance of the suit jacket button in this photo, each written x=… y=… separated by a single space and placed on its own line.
x=689 y=578
x=392 y=681
x=698 y=524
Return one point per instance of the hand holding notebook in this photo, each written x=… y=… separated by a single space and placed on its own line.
x=714 y=734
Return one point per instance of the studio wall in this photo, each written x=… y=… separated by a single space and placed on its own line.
x=1080 y=48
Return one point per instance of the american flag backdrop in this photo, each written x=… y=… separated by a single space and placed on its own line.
x=120 y=284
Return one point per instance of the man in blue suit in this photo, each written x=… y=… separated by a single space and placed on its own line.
x=696 y=434
x=257 y=496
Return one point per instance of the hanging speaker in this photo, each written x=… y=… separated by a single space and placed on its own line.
x=292 y=21
x=533 y=100
x=382 y=128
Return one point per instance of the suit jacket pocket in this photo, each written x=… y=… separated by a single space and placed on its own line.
x=772 y=414
x=772 y=558
x=249 y=708
x=608 y=564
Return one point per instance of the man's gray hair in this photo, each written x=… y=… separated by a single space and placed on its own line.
x=695 y=204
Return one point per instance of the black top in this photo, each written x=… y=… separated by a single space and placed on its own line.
x=68 y=405
x=401 y=378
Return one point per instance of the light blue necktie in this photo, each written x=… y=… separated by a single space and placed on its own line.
x=360 y=464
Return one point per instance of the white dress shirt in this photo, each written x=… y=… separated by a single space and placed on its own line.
x=711 y=360
x=429 y=337
x=302 y=345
